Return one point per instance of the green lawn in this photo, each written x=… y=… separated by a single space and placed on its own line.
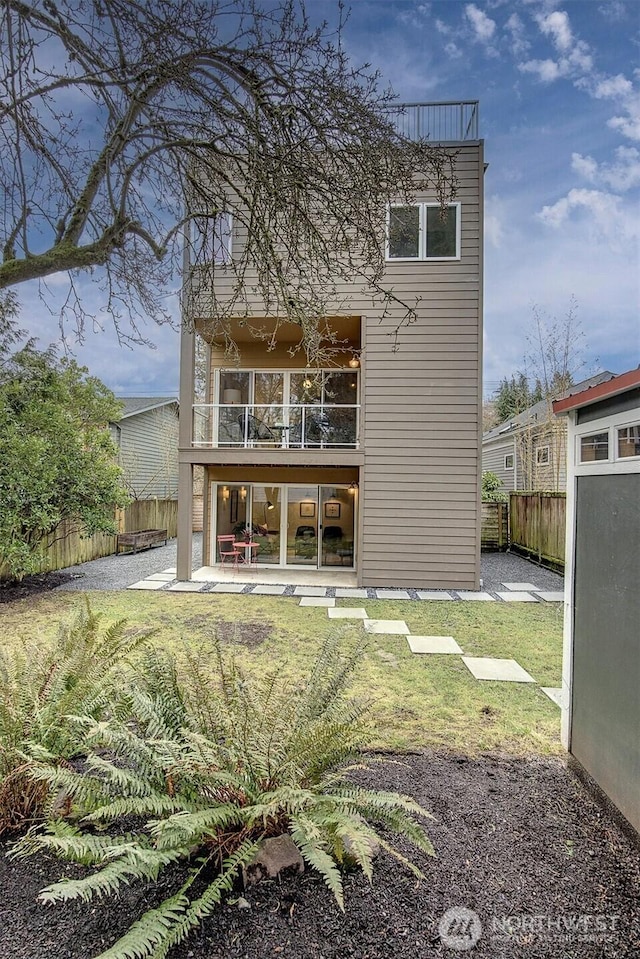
x=416 y=701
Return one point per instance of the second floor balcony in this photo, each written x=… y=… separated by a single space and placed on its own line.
x=292 y=426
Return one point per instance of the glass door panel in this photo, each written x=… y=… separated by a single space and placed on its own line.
x=267 y=425
x=233 y=397
x=231 y=513
x=266 y=502
x=302 y=526
x=337 y=514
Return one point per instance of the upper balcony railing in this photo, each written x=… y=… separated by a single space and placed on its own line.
x=450 y=120
x=272 y=426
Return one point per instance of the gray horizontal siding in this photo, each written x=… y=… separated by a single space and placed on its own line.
x=149 y=453
x=493 y=461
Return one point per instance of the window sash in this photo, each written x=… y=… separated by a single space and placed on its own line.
x=415 y=232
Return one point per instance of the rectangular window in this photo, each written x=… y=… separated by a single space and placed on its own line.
x=423 y=232
x=508 y=461
x=212 y=237
x=594 y=447
x=629 y=441
x=542 y=456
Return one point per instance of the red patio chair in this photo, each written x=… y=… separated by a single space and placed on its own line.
x=227 y=550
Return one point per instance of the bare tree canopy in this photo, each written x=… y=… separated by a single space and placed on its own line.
x=123 y=121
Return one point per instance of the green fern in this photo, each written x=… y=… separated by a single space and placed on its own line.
x=211 y=765
x=42 y=687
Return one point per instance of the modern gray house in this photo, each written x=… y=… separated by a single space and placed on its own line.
x=147 y=439
x=371 y=466
x=601 y=662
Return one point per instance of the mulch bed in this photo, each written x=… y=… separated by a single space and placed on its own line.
x=11 y=592
x=514 y=838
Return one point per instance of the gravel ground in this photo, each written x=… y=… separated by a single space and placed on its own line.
x=118 y=572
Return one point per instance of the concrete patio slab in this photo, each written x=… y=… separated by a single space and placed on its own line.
x=269 y=590
x=347 y=612
x=348 y=593
x=389 y=627
x=189 y=587
x=148 y=584
x=325 y=601
x=515 y=597
x=392 y=594
x=433 y=594
x=433 y=644
x=227 y=588
x=554 y=694
x=519 y=587
x=550 y=596
x=165 y=577
x=310 y=591
x=499 y=670
x=171 y=569
x=478 y=597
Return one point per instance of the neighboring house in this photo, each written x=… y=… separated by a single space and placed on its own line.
x=147 y=440
x=601 y=662
x=372 y=466
x=529 y=451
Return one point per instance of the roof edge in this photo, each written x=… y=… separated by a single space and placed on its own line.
x=617 y=384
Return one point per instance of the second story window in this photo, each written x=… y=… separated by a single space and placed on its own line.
x=421 y=232
x=212 y=237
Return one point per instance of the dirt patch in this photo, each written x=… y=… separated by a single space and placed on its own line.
x=249 y=633
x=520 y=842
x=11 y=592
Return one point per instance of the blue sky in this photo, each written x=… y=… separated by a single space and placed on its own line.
x=559 y=92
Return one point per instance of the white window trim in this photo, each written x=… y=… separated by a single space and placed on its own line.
x=614 y=463
x=539 y=461
x=422 y=235
x=617 y=429
x=506 y=457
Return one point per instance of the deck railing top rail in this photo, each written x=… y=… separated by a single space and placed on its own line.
x=440 y=122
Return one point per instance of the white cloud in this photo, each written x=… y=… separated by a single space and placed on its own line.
x=546 y=70
x=613 y=10
x=452 y=51
x=484 y=27
x=612 y=87
x=608 y=218
x=556 y=25
x=621 y=175
x=515 y=26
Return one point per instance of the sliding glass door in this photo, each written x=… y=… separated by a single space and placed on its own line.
x=299 y=526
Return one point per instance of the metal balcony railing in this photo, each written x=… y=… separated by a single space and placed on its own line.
x=446 y=121
x=270 y=426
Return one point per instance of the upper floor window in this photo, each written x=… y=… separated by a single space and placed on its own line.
x=628 y=441
x=212 y=237
x=422 y=232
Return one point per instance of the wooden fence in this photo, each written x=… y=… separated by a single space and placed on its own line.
x=537 y=526
x=68 y=546
x=495 y=525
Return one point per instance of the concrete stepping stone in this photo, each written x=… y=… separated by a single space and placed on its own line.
x=148 y=584
x=325 y=601
x=186 y=587
x=269 y=590
x=227 y=588
x=478 y=597
x=519 y=587
x=516 y=597
x=392 y=594
x=390 y=627
x=350 y=592
x=500 y=670
x=171 y=569
x=550 y=596
x=347 y=612
x=436 y=594
x=554 y=694
x=433 y=644
x=310 y=591
x=165 y=577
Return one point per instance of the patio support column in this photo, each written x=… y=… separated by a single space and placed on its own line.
x=185 y=445
x=185 y=521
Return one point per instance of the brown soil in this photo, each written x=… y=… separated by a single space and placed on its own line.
x=10 y=592
x=514 y=838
